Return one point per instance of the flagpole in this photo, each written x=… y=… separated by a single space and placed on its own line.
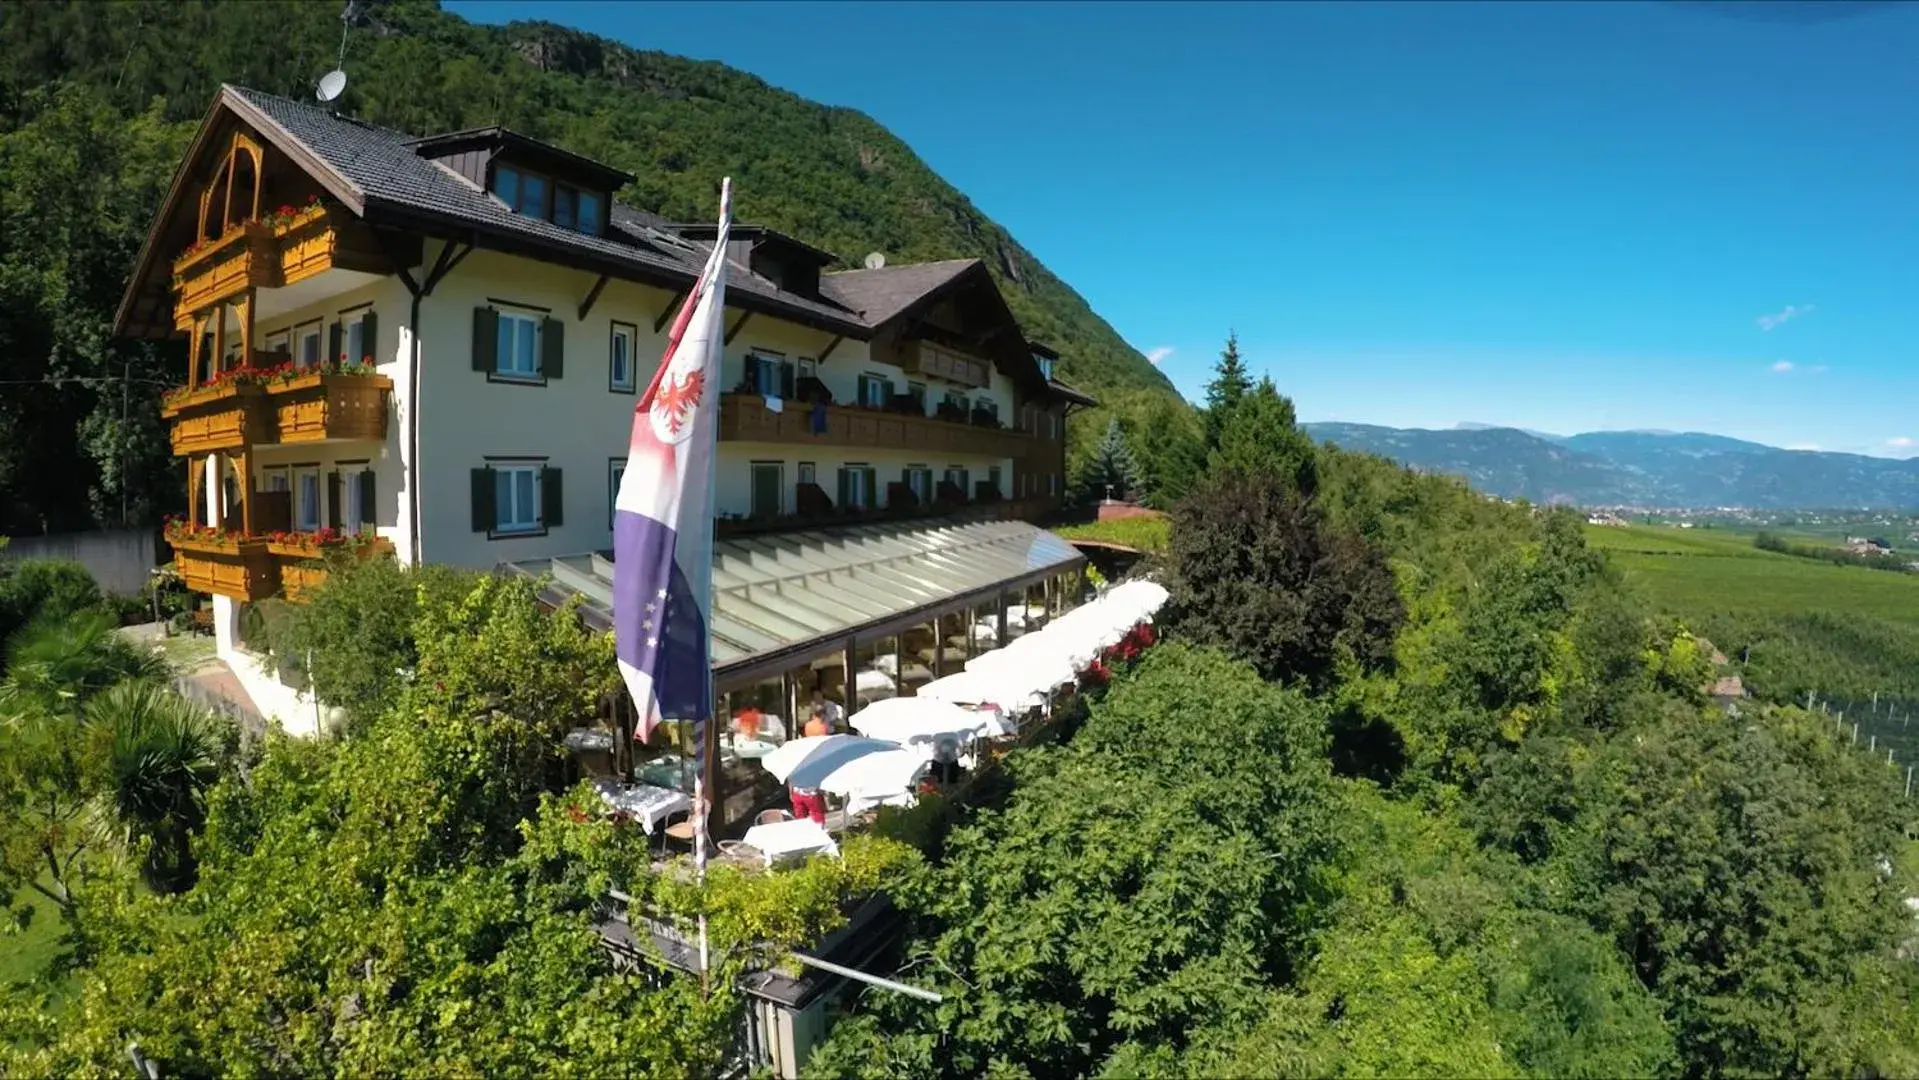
x=709 y=735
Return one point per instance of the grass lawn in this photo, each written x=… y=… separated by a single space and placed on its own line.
x=23 y=958
x=1692 y=570
x=1149 y=534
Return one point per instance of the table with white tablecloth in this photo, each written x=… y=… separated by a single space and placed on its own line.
x=647 y=804
x=789 y=839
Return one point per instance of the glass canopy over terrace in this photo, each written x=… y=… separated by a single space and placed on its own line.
x=782 y=598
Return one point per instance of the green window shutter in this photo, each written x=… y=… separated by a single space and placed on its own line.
x=334 y=340
x=552 y=348
x=552 y=504
x=370 y=337
x=846 y=487
x=366 y=497
x=486 y=343
x=872 y=477
x=786 y=378
x=483 y=516
x=334 y=497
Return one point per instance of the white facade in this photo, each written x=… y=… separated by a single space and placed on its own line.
x=576 y=424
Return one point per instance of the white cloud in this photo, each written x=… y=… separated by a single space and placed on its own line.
x=1785 y=315
x=1783 y=366
x=1902 y=442
x=1158 y=356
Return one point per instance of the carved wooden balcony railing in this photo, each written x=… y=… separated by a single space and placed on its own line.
x=228 y=415
x=302 y=560
x=745 y=418
x=226 y=564
x=327 y=405
x=281 y=250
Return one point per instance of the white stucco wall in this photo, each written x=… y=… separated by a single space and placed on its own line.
x=390 y=302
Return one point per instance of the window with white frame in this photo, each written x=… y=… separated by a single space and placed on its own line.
x=517 y=352
x=275 y=479
x=992 y=480
x=356 y=345
x=615 y=472
x=920 y=479
x=306 y=498
x=307 y=342
x=959 y=478
x=766 y=371
x=516 y=497
x=281 y=341
x=875 y=391
x=619 y=357
x=806 y=473
x=356 y=491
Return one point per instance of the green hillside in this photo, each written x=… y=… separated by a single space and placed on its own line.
x=97 y=100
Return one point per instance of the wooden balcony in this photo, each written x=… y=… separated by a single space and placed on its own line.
x=228 y=416
x=302 y=562
x=231 y=566
x=817 y=513
x=319 y=406
x=745 y=418
x=271 y=254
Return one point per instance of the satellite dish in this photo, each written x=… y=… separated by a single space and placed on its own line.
x=874 y=260
x=332 y=85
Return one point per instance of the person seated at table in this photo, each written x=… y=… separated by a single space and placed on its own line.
x=816 y=724
x=835 y=714
x=747 y=722
x=808 y=803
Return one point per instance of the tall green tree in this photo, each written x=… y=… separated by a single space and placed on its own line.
x=1257 y=571
x=1170 y=446
x=1230 y=383
x=1110 y=470
x=1261 y=434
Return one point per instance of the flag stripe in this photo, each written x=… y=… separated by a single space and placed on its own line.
x=663 y=515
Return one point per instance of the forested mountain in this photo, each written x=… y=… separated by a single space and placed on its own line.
x=1645 y=468
x=97 y=102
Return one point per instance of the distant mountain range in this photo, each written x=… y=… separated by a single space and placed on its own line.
x=1639 y=468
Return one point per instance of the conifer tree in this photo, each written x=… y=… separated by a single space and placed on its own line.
x=1111 y=467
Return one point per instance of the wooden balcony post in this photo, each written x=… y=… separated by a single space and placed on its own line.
x=243 y=307
x=239 y=463
x=193 y=493
x=219 y=337
x=193 y=354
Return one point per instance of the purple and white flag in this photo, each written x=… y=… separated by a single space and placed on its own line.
x=663 y=516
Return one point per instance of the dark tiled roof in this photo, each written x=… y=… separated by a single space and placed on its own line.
x=379 y=174
x=383 y=167
x=878 y=295
x=1072 y=394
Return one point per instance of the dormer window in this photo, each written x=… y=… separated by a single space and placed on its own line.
x=1045 y=366
x=534 y=195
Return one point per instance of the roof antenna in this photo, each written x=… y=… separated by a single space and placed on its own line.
x=333 y=83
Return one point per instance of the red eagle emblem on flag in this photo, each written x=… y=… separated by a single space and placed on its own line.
x=676 y=400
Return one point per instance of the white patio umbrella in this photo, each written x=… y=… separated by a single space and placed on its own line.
x=876 y=777
x=805 y=761
x=905 y=719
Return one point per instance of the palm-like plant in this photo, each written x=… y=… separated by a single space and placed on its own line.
x=161 y=755
x=57 y=665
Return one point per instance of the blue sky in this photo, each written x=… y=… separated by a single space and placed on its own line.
x=1558 y=216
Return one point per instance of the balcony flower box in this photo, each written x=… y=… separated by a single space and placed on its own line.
x=223 y=562
x=240 y=382
x=317 y=544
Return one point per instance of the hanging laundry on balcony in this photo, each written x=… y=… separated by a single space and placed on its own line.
x=817 y=421
x=774 y=404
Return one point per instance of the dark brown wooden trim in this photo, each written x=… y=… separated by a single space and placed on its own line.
x=667 y=312
x=592 y=296
x=497 y=302
x=737 y=327
x=830 y=346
